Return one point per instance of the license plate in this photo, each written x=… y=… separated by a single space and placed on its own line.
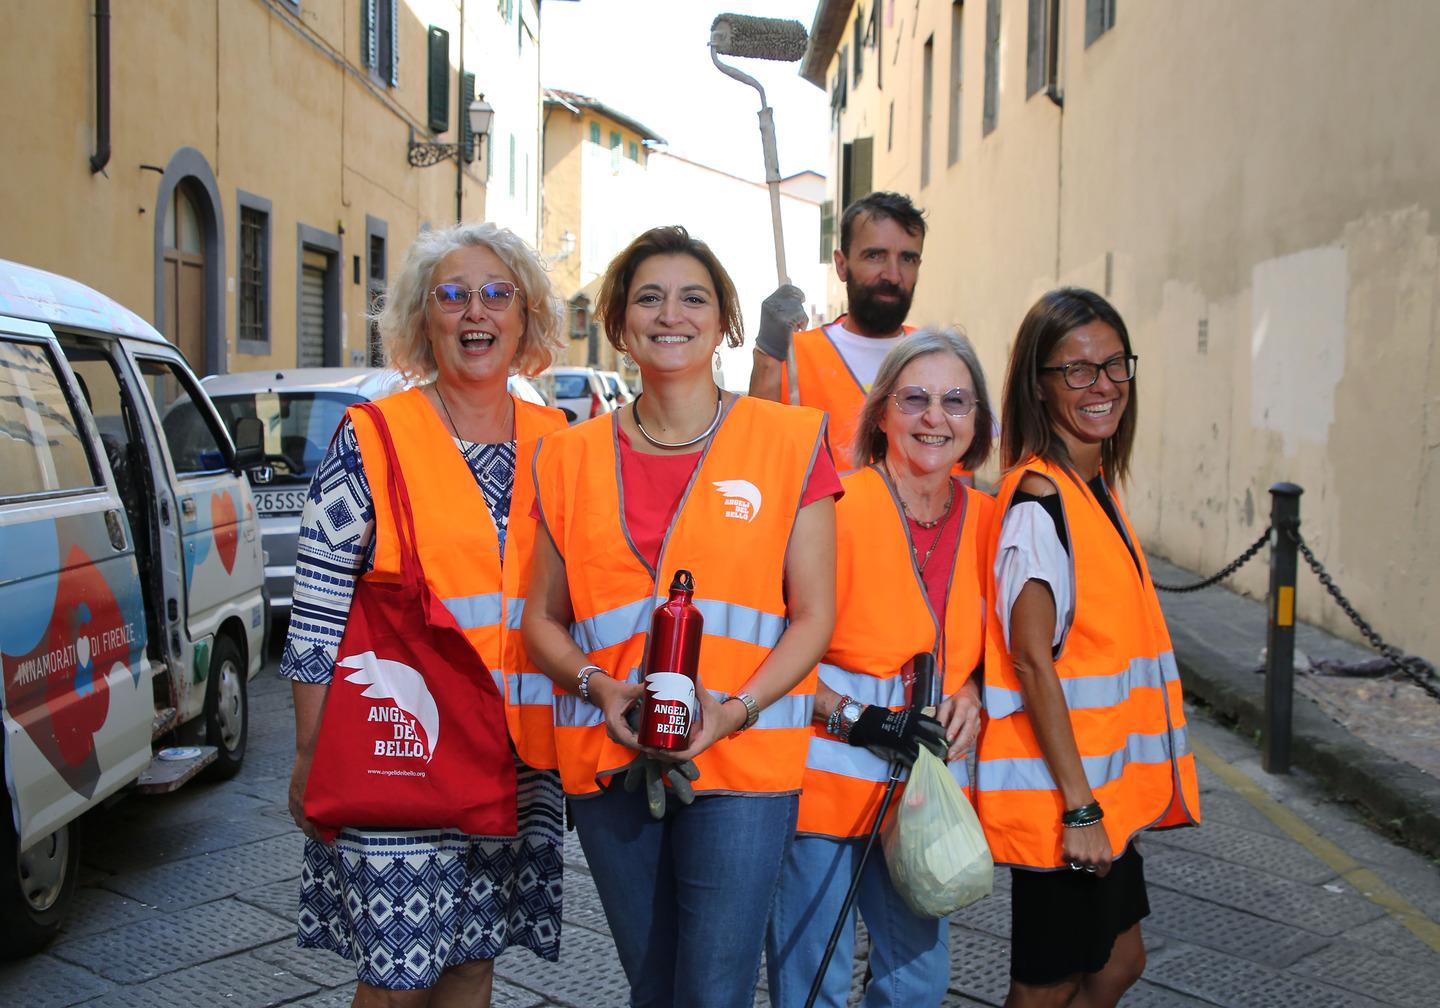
x=280 y=502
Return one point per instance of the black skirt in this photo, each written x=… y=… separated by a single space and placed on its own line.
x=1065 y=922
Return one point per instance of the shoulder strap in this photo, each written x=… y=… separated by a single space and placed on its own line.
x=399 y=496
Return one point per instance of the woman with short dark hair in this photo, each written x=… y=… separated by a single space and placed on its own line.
x=738 y=491
x=1084 y=744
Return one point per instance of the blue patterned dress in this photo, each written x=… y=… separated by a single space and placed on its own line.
x=403 y=905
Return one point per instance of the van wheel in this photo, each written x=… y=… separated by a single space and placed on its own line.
x=227 y=710
x=36 y=887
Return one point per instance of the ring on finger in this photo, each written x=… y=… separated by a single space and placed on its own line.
x=1090 y=869
x=1074 y=866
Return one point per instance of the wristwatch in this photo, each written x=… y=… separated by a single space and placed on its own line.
x=850 y=712
x=752 y=710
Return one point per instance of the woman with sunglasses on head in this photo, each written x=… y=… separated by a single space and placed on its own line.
x=424 y=913
x=910 y=578
x=1084 y=744
x=739 y=492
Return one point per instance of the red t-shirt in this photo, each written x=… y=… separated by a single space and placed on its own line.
x=654 y=485
x=946 y=539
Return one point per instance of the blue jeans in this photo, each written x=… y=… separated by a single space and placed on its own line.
x=909 y=955
x=687 y=896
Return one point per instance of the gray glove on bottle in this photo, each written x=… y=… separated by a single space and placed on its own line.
x=781 y=314
x=653 y=772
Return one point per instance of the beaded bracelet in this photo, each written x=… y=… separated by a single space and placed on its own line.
x=832 y=723
x=1085 y=815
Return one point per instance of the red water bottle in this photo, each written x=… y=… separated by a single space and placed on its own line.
x=669 y=706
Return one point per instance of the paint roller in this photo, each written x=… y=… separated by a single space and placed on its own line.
x=769 y=39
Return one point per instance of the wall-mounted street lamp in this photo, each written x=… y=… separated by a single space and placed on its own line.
x=422 y=155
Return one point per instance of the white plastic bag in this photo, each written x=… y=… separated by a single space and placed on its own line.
x=934 y=845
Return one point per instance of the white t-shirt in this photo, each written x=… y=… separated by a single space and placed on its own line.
x=862 y=354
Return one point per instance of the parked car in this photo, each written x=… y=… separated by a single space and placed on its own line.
x=620 y=392
x=300 y=409
x=130 y=580
x=581 y=392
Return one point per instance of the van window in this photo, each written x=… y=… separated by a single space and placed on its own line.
x=195 y=445
x=41 y=448
x=298 y=425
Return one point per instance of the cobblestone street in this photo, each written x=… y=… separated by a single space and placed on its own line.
x=1281 y=898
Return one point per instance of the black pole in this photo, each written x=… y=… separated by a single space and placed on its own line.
x=1280 y=630
x=101 y=157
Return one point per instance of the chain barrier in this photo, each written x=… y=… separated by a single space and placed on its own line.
x=1225 y=572
x=1417 y=669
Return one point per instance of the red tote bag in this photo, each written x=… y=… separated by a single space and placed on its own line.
x=413 y=733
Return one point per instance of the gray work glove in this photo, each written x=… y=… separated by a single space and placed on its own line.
x=781 y=314
x=653 y=772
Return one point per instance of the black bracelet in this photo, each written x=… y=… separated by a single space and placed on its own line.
x=1085 y=815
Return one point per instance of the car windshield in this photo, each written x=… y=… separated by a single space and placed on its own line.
x=571 y=386
x=298 y=425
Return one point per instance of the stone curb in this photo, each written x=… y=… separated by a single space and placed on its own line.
x=1401 y=798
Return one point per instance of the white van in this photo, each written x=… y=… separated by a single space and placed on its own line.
x=132 y=610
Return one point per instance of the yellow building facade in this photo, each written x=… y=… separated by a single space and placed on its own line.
x=594 y=183
x=240 y=173
x=1254 y=186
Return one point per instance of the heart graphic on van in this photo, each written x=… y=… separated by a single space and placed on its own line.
x=222 y=517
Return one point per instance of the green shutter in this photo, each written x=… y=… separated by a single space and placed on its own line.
x=438 y=114
x=827 y=230
x=467 y=136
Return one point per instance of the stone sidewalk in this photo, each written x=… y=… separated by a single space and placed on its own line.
x=1282 y=898
x=1373 y=742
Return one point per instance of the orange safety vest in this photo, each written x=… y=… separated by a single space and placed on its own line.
x=460 y=546
x=731 y=530
x=884 y=620
x=1118 y=674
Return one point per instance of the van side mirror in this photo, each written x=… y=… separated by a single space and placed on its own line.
x=249 y=443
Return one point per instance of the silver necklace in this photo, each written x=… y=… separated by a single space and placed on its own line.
x=934 y=521
x=719 y=402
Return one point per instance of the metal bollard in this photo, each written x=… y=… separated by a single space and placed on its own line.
x=1280 y=628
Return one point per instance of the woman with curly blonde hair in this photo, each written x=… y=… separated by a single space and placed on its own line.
x=424 y=912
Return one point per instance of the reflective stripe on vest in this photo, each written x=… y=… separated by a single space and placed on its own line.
x=527 y=706
x=475 y=611
x=788 y=712
x=760 y=456
x=884 y=620
x=1090 y=692
x=866 y=689
x=1118 y=674
x=1033 y=773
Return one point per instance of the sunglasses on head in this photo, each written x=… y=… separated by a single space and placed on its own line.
x=453 y=297
x=913 y=399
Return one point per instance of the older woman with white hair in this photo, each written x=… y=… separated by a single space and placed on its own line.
x=423 y=913
x=910 y=579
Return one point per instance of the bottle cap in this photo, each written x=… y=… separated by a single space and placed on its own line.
x=684 y=581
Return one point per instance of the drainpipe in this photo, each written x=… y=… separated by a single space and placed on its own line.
x=101 y=157
x=460 y=113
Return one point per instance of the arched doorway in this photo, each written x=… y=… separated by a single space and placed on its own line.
x=189 y=246
x=184 y=276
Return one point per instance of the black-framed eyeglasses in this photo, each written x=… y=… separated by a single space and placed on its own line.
x=1083 y=374
x=913 y=399
x=454 y=298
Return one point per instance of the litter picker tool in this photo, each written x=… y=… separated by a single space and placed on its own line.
x=925 y=690
x=768 y=39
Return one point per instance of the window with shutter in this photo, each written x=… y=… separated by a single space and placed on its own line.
x=827 y=230
x=1099 y=18
x=438 y=78
x=927 y=107
x=468 y=145
x=992 y=65
x=1042 y=47
x=957 y=80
